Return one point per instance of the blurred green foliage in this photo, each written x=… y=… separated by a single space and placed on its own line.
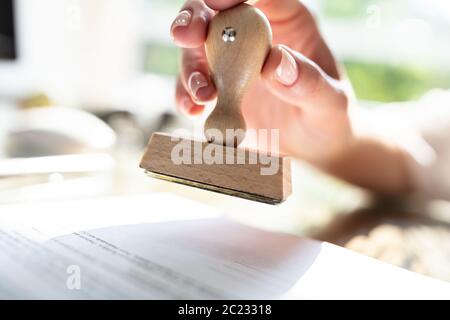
x=380 y=82
x=161 y=59
x=345 y=8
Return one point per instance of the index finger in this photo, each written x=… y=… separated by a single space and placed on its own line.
x=189 y=28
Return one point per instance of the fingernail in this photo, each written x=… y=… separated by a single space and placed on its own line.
x=195 y=82
x=287 y=71
x=183 y=19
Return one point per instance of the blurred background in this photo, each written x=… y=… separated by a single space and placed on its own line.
x=83 y=84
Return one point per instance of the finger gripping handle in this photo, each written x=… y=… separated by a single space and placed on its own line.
x=237 y=44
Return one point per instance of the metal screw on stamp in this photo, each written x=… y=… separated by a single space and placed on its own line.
x=229 y=34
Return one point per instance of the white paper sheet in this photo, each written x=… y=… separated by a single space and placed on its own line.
x=163 y=246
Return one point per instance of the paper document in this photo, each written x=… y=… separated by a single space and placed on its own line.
x=164 y=247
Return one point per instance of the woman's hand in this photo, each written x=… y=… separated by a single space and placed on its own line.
x=301 y=91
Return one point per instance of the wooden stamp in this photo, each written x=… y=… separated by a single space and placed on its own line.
x=237 y=44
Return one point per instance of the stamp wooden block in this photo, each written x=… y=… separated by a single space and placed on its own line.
x=268 y=179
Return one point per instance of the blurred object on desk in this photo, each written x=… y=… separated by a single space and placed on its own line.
x=36 y=100
x=55 y=177
x=56 y=164
x=133 y=131
x=55 y=187
x=130 y=135
x=56 y=131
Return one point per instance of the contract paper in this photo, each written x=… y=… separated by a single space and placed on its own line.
x=161 y=246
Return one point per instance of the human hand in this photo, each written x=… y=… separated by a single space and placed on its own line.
x=301 y=91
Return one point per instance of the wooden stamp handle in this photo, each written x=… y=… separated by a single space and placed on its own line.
x=237 y=44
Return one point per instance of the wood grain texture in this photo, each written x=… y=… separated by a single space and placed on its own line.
x=240 y=178
x=234 y=66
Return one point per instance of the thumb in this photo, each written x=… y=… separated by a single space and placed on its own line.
x=299 y=81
